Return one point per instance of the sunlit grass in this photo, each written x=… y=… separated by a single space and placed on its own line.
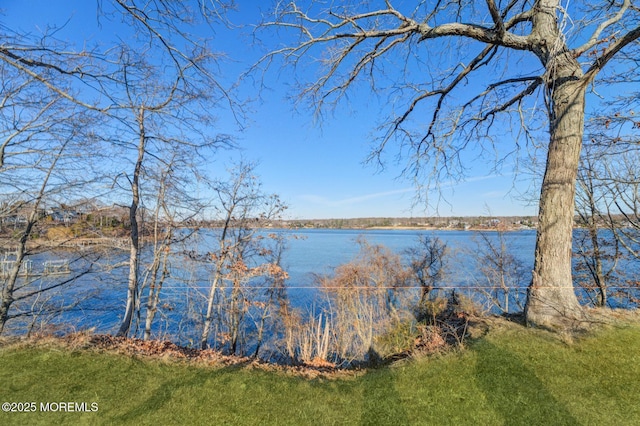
x=512 y=376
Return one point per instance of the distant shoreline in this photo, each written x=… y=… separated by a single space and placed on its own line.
x=432 y=228
x=453 y=223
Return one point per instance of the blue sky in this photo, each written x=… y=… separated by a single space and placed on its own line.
x=316 y=166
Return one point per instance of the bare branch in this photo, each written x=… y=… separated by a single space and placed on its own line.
x=475 y=32
x=603 y=26
x=610 y=52
x=535 y=83
x=495 y=15
x=20 y=65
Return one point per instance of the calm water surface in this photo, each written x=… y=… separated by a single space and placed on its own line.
x=309 y=252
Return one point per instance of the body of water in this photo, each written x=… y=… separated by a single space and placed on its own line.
x=101 y=292
x=320 y=250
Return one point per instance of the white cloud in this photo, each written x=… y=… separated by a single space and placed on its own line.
x=324 y=201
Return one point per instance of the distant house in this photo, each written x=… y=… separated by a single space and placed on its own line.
x=110 y=215
x=63 y=215
x=17 y=214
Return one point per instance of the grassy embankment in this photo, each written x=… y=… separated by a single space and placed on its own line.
x=511 y=376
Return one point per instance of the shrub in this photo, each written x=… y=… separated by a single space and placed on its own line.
x=59 y=233
x=367 y=297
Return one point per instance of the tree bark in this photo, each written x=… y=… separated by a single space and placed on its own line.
x=8 y=287
x=132 y=287
x=551 y=300
x=595 y=266
x=155 y=288
x=355 y=39
x=222 y=255
x=10 y=283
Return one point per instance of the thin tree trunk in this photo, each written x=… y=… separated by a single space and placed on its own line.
x=9 y=286
x=208 y=320
x=159 y=250
x=601 y=282
x=132 y=287
x=235 y=314
x=154 y=290
x=21 y=252
x=597 y=272
x=204 y=338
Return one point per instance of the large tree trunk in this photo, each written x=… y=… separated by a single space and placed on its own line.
x=551 y=300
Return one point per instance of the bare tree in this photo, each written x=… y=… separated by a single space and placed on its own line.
x=165 y=234
x=426 y=53
x=274 y=304
x=166 y=119
x=367 y=297
x=114 y=78
x=597 y=250
x=41 y=154
x=241 y=257
x=501 y=271
x=159 y=27
x=428 y=261
x=33 y=216
x=623 y=184
x=607 y=197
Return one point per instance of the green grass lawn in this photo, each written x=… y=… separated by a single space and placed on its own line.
x=512 y=376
